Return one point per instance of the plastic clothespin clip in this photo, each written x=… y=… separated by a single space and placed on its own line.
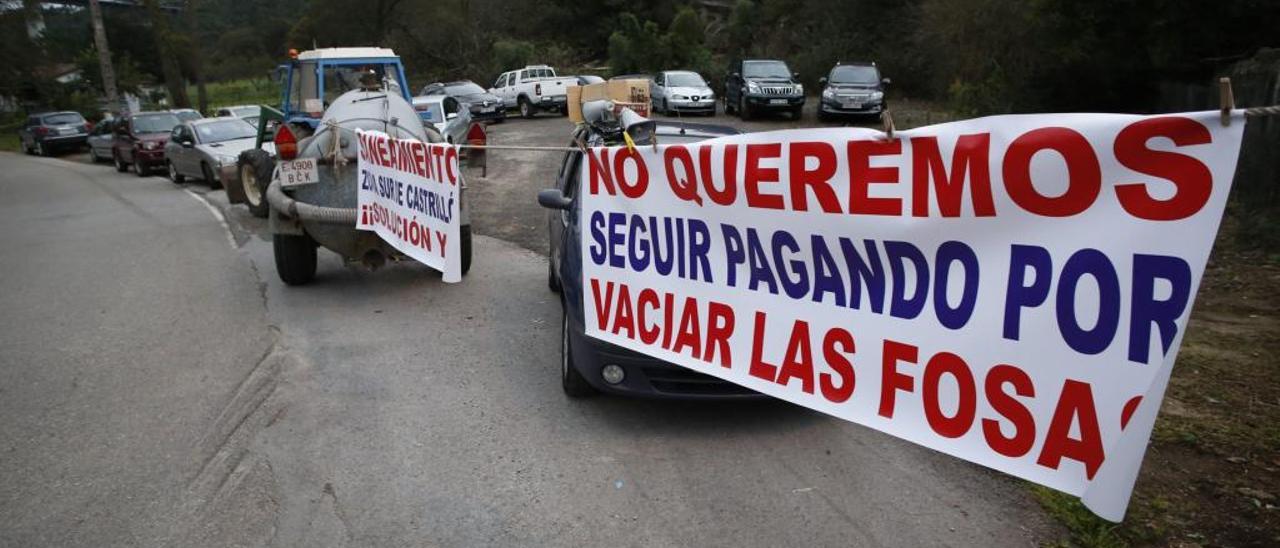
x=1226 y=99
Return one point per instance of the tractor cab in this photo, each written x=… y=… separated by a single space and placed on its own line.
x=315 y=78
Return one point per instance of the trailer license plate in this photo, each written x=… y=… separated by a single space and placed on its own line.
x=298 y=172
x=777 y=101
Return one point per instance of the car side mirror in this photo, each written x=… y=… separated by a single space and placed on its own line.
x=450 y=116
x=186 y=143
x=822 y=81
x=795 y=75
x=735 y=75
x=553 y=198
x=885 y=82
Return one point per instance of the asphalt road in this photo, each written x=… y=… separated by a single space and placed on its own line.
x=161 y=387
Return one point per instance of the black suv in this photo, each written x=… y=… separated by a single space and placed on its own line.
x=852 y=89
x=758 y=85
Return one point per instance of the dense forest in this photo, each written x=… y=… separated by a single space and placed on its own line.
x=976 y=56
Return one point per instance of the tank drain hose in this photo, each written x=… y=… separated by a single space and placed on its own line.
x=308 y=212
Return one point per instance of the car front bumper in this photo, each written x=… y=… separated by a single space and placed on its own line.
x=775 y=101
x=646 y=377
x=852 y=106
x=702 y=104
x=149 y=157
x=496 y=112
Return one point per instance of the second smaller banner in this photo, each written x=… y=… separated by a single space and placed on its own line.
x=409 y=194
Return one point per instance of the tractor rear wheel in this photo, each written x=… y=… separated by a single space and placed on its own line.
x=295 y=258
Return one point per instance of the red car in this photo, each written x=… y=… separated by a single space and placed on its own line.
x=140 y=140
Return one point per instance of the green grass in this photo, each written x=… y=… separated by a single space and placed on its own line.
x=1086 y=530
x=253 y=91
x=9 y=136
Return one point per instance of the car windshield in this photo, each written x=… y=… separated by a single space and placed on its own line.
x=765 y=69
x=339 y=79
x=851 y=74
x=431 y=112
x=245 y=112
x=465 y=88
x=685 y=80
x=188 y=115
x=154 y=123
x=63 y=118
x=225 y=130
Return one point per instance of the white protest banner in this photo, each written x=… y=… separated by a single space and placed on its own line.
x=408 y=194
x=1009 y=290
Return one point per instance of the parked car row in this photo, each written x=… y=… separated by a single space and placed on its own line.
x=181 y=142
x=752 y=87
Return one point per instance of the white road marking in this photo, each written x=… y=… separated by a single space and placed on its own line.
x=222 y=219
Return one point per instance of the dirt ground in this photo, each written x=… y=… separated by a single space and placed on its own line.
x=1212 y=472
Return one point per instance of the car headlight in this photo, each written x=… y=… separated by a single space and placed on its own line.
x=224 y=160
x=150 y=145
x=877 y=95
x=800 y=89
x=753 y=87
x=679 y=97
x=829 y=93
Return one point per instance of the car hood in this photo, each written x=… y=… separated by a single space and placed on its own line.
x=771 y=81
x=233 y=147
x=690 y=91
x=478 y=98
x=153 y=137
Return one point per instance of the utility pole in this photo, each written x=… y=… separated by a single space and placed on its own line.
x=104 y=57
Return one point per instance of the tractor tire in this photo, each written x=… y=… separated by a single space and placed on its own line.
x=174 y=176
x=256 y=167
x=295 y=258
x=209 y=177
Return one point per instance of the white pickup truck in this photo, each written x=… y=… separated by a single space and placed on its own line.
x=532 y=89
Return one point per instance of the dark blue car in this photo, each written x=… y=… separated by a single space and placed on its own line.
x=587 y=365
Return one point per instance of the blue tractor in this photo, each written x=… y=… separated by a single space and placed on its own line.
x=311 y=80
